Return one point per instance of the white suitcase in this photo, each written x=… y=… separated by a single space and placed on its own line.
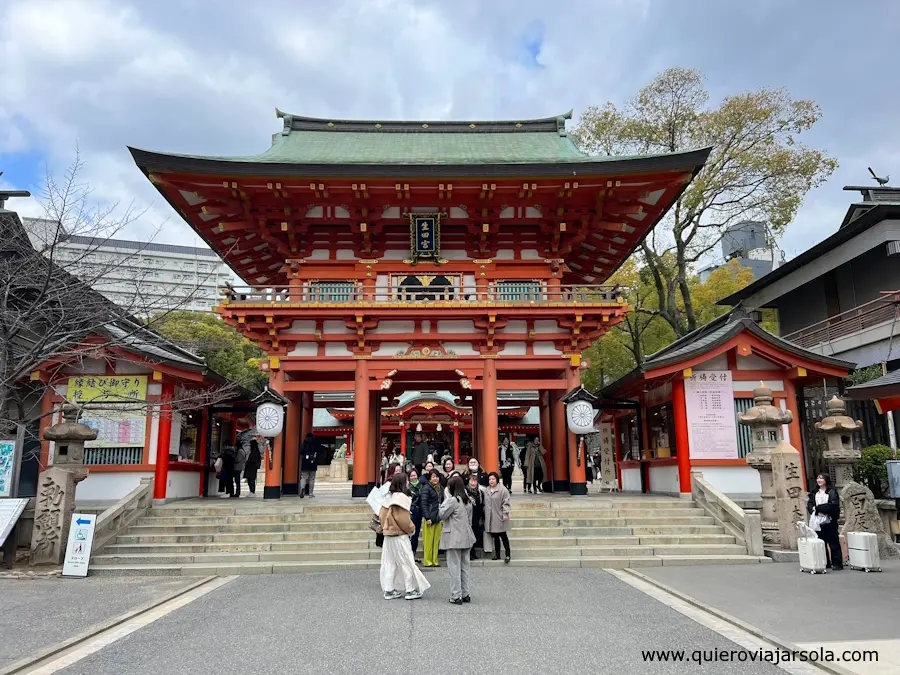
x=812 y=555
x=863 y=550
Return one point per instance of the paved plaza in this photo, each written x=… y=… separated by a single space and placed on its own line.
x=520 y=620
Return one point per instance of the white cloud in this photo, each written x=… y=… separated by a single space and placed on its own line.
x=204 y=78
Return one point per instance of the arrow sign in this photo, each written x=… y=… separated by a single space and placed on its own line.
x=82 y=521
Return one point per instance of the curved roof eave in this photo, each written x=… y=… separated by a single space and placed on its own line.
x=688 y=160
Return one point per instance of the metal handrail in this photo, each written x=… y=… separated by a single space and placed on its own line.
x=252 y=295
x=859 y=318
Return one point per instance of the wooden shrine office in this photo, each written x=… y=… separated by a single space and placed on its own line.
x=687 y=399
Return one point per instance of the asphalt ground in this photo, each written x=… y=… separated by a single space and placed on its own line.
x=778 y=598
x=42 y=612
x=522 y=620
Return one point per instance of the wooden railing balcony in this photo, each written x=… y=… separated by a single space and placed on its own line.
x=867 y=315
x=251 y=296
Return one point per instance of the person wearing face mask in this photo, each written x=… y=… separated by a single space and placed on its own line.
x=507 y=462
x=475 y=468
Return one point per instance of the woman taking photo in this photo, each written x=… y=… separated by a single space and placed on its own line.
x=496 y=514
x=430 y=497
x=397 y=564
x=457 y=538
x=825 y=503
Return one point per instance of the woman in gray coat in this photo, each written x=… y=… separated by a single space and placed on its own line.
x=457 y=538
x=496 y=514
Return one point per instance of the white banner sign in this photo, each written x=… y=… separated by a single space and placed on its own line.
x=81 y=541
x=10 y=510
x=709 y=398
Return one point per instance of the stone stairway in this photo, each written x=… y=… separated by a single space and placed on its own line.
x=204 y=537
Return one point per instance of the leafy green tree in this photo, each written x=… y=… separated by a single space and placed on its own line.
x=872 y=469
x=224 y=349
x=758 y=170
x=644 y=332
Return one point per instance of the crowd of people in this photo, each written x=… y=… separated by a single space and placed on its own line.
x=449 y=511
x=243 y=458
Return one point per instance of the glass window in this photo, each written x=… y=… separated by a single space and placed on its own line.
x=661 y=427
x=629 y=444
x=331 y=291
x=518 y=291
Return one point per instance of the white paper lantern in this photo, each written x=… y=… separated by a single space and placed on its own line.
x=580 y=417
x=269 y=419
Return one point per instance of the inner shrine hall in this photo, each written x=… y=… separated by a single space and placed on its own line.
x=385 y=257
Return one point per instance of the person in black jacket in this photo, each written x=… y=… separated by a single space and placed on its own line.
x=825 y=502
x=309 y=462
x=251 y=467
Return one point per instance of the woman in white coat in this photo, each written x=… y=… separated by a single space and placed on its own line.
x=457 y=538
x=397 y=563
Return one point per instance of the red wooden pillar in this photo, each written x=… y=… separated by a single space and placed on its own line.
x=273 y=460
x=491 y=453
x=558 y=453
x=46 y=422
x=790 y=395
x=361 y=430
x=403 y=439
x=163 y=440
x=577 y=473
x=455 y=443
x=292 y=440
x=546 y=440
x=682 y=442
x=374 y=467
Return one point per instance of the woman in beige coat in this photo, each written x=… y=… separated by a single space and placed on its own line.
x=496 y=514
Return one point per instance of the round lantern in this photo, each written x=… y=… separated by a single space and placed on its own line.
x=269 y=419
x=580 y=417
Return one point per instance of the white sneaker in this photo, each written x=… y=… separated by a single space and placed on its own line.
x=413 y=595
x=392 y=595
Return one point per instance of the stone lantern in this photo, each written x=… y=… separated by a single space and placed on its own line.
x=840 y=453
x=765 y=421
x=55 y=501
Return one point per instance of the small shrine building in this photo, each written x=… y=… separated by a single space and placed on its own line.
x=686 y=398
x=381 y=257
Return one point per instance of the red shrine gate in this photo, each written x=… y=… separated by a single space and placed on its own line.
x=385 y=257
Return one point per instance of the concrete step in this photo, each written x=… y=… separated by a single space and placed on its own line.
x=209 y=568
x=338 y=555
x=234 y=524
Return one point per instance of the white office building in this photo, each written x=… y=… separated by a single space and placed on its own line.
x=140 y=275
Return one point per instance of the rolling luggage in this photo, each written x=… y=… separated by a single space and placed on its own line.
x=863 y=550
x=811 y=550
x=845 y=555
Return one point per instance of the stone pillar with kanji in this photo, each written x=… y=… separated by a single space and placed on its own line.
x=790 y=499
x=55 y=500
x=841 y=454
x=765 y=421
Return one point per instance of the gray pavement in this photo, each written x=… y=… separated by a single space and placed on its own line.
x=39 y=613
x=531 y=621
x=778 y=598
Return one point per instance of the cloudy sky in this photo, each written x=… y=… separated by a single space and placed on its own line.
x=204 y=76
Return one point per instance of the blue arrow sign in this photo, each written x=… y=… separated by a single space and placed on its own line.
x=81 y=521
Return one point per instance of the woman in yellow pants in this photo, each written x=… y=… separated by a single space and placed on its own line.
x=430 y=498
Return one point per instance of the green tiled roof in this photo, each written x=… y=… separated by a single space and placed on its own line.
x=356 y=147
x=510 y=148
